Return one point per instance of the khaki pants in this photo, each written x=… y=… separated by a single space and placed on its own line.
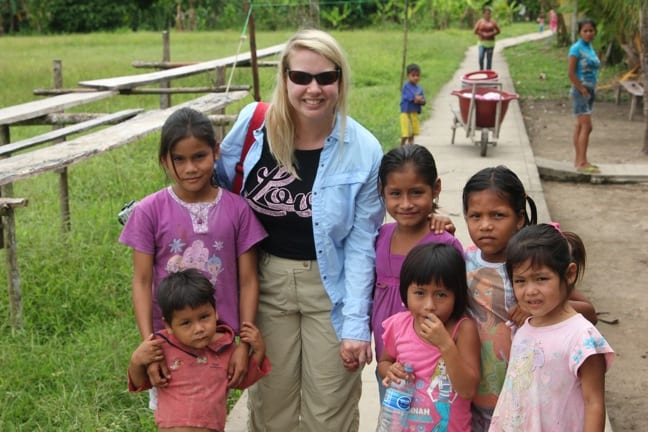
x=308 y=388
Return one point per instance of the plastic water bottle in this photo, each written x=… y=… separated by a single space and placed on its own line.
x=396 y=405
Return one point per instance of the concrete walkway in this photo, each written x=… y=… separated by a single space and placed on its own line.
x=456 y=163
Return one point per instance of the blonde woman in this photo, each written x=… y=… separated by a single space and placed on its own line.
x=310 y=176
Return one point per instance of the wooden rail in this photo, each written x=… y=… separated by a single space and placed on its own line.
x=48 y=159
x=33 y=109
x=8 y=149
x=131 y=81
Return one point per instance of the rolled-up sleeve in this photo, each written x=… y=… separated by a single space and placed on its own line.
x=360 y=254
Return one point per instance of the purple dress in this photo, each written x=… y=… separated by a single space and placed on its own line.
x=206 y=236
x=387 y=300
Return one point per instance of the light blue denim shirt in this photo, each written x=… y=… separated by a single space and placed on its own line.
x=347 y=212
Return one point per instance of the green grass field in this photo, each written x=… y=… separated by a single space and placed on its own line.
x=67 y=369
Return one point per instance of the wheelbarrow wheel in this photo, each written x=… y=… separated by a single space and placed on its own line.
x=484 y=142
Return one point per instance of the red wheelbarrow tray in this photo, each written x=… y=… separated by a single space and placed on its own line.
x=486 y=100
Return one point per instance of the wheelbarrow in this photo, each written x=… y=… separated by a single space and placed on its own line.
x=482 y=108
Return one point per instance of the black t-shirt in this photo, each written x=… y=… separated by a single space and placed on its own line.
x=283 y=205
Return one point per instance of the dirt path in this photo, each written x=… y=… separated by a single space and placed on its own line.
x=613 y=222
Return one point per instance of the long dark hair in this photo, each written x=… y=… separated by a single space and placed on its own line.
x=507 y=185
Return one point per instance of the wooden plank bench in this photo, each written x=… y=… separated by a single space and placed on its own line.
x=131 y=81
x=635 y=90
x=8 y=149
x=48 y=159
x=52 y=158
x=29 y=110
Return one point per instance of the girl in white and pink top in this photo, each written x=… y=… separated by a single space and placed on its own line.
x=555 y=380
x=436 y=338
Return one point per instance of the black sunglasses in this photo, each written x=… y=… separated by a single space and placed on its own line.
x=322 y=78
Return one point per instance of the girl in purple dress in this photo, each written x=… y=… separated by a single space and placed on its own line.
x=193 y=223
x=410 y=187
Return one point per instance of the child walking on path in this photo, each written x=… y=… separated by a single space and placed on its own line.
x=193 y=224
x=436 y=338
x=495 y=208
x=556 y=376
x=197 y=349
x=409 y=185
x=412 y=99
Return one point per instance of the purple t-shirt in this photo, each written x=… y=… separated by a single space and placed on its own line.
x=207 y=236
x=387 y=300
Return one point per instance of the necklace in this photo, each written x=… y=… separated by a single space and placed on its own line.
x=199 y=212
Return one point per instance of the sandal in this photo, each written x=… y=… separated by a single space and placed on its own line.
x=589 y=169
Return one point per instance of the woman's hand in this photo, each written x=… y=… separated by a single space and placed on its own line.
x=355 y=353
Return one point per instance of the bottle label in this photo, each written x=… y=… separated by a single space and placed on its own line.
x=397 y=400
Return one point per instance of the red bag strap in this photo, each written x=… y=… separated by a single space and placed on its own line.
x=255 y=123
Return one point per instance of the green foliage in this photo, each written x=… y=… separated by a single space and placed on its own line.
x=72 y=16
x=617 y=25
x=336 y=15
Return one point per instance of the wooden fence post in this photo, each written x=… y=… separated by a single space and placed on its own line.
x=64 y=196
x=165 y=99
x=6 y=190
x=253 y=57
x=15 y=294
x=221 y=73
x=57 y=72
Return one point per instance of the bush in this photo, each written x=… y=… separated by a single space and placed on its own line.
x=71 y=16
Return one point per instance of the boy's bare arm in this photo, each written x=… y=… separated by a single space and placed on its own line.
x=147 y=352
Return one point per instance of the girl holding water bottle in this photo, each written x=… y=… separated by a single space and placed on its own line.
x=436 y=338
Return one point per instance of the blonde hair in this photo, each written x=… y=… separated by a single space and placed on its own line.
x=280 y=128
